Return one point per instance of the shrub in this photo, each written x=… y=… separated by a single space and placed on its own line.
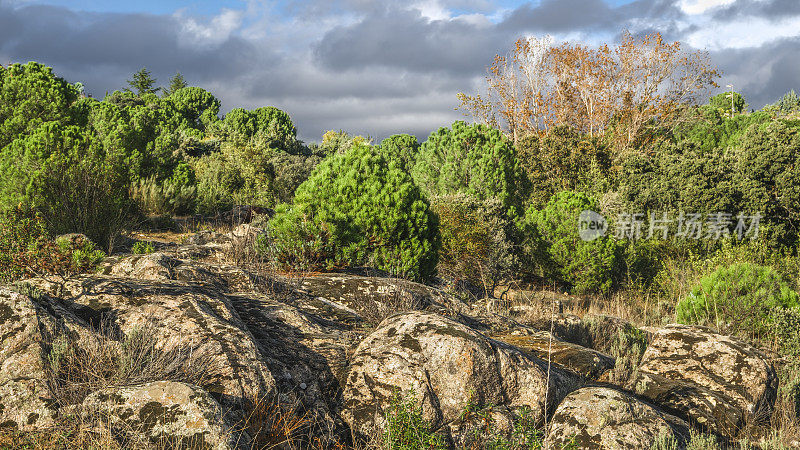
x=562 y=160
x=198 y=106
x=142 y=248
x=31 y=95
x=738 y=299
x=269 y=124
x=406 y=428
x=339 y=142
x=786 y=329
x=249 y=174
x=26 y=249
x=84 y=254
x=71 y=179
x=166 y=198
x=470 y=159
x=727 y=100
x=358 y=209
x=554 y=243
x=296 y=242
x=401 y=148
x=478 y=241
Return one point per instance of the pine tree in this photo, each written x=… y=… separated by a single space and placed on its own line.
x=176 y=83
x=143 y=83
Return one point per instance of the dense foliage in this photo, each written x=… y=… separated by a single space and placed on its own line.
x=27 y=250
x=479 y=241
x=587 y=266
x=96 y=167
x=358 y=209
x=470 y=159
x=739 y=297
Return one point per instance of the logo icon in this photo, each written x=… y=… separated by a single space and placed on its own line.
x=591 y=225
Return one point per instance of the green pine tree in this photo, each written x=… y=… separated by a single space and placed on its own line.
x=142 y=83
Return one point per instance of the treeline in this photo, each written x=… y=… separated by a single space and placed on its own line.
x=480 y=204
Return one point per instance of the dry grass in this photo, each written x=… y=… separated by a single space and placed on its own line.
x=271 y=424
x=107 y=357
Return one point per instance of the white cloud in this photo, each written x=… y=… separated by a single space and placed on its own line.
x=432 y=10
x=743 y=33
x=215 y=32
x=701 y=6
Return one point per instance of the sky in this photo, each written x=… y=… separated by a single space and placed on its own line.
x=375 y=68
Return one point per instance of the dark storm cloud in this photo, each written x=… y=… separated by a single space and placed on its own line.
x=770 y=9
x=368 y=67
x=102 y=49
x=406 y=40
x=763 y=73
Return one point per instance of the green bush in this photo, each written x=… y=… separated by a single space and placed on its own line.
x=31 y=95
x=339 y=142
x=478 y=241
x=270 y=125
x=84 y=254
x=563 y=160
x=406 y=428
x=370 y=211
x=166 y=198
x=143 y=248
x=198 y=106
x=470 y=159
x=76 y=184
x=554 y=243
x=728 y=100
x=28 y=250
x=738 y=299
x=401 y=148
x=786 y=329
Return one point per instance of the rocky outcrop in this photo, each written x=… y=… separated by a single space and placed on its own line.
x=179 y=314
x=445 y=364
x=162 y=413
x=25 y=401
x=604 y=418
x=581 y=360
x=715 y=381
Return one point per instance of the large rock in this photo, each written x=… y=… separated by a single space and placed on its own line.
x=306 y=353
x=178 y=314
x=25 y=401
x=581 y=360
x=167 y=414
x=446 y=364
x=603 y=418
x=716 y=381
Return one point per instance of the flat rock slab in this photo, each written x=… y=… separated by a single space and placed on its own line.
x=583 y=361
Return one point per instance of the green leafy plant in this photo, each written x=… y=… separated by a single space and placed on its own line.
x=554 y=243
x=66 y=174
x=406 y=428
x=737 y=298
x=470 y=159
x=143 y=248
x=28 y=250
x=357 y=209
x=478 y=241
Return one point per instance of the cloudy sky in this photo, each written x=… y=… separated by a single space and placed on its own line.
x=375 y=67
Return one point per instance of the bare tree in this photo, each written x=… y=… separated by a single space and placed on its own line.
x=624 y=88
